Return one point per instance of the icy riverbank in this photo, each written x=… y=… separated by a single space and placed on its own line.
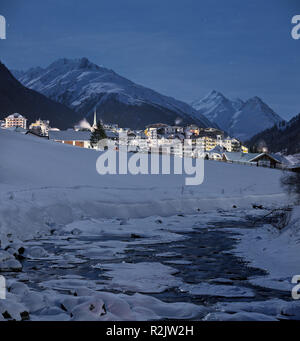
x=112 y=269
x=276 y=251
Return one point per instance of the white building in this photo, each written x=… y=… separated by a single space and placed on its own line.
x=152 y=133
x=41 y=126
x=230 y=144
x=111 y=126
x=173 y=130
x=71 y=137
x=15 y=120
x=81 y=138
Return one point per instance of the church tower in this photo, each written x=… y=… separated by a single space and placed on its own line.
x=94 y=126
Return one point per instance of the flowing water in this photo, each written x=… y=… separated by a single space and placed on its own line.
x=204 y=255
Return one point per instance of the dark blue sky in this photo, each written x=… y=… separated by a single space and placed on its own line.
x=182 y=48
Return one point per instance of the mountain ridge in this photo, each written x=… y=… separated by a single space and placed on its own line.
x=283 y=138
x=242 y=119
x=84 y=86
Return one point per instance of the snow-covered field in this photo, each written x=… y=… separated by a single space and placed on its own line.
x=44 y=183
x=77 y=245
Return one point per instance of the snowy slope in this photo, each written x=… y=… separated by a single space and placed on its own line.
x=44 y=183
x=82 y=86
x=253 y=117
x=238 y=118
x=284 y=138
x=217 y=108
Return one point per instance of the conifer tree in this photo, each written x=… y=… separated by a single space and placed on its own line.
x=97 y=135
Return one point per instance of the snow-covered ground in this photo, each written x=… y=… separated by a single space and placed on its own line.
x=82 y=246
x=275 y=251
x=43 y=183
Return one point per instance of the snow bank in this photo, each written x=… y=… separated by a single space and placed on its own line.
x=89 y=305
x=275 y=251
x=44 y=184
x=269 y=310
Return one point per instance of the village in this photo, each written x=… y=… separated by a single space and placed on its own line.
x=189 y=141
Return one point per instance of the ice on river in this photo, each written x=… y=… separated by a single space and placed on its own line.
x=141 y=277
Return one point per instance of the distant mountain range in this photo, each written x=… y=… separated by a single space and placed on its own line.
x=84 y=86
x=240 y=119
x=14 y=97
x=284 y=138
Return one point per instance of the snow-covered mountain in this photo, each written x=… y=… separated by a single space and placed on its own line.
x=15 y=97
x=84 y=86
x=217 y=108
x=240 y=119
x=254 y=116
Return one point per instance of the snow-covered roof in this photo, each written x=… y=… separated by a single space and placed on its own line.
x=240 y=157
x=252 y=157
x=157 y=125
x=69 y=135
x=15 y=115
x=141 y=135
x=281 y=158
x=172 y=136
x=111 y=134
x=192 y=126
x=294 y=166
x=218 y=149
x=275 y=157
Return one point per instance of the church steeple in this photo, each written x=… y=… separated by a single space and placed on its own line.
x=95 y=119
